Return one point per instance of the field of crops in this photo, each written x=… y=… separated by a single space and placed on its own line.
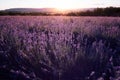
x=59 y=48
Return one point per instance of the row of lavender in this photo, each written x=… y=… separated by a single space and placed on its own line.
x=59 y=48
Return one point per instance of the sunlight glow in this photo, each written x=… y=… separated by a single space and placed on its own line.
x=65 y=4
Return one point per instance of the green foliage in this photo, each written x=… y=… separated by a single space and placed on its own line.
x=109 y=11
x=22 y=13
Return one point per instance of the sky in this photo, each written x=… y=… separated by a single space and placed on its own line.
x=60 y=4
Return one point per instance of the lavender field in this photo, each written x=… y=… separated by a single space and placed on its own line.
x=59 y=48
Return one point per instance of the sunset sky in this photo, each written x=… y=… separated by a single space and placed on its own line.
x=60 y=4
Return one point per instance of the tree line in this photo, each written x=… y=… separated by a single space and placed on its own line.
x=13 y=13
x=108 y=11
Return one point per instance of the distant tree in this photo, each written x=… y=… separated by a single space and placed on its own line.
x=108 y=11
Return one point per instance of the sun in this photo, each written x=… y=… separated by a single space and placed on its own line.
x=65 y=4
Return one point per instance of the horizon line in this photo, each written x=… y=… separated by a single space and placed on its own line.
x=56 y=8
